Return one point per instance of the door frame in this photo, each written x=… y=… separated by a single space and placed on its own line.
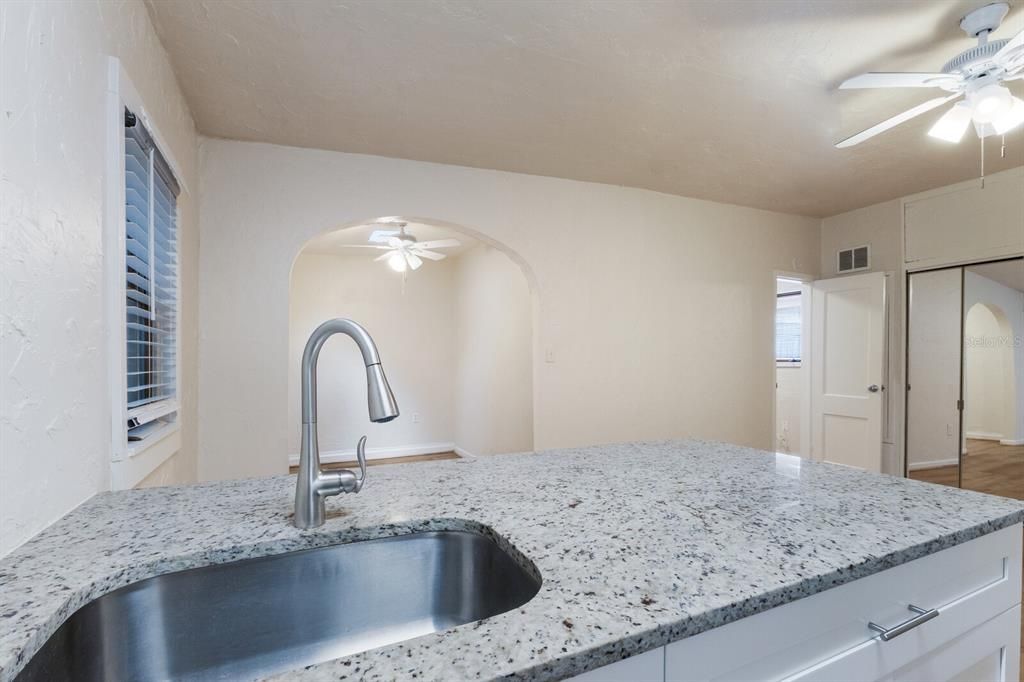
x=805 y=280
x=908 y=272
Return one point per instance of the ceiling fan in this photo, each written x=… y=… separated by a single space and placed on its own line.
x=976 y=74
x=403 y=251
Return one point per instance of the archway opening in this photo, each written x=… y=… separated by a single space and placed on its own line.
x=452 y=317
x=990 y=400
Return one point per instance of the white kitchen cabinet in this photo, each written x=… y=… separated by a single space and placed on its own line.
x=975 y=587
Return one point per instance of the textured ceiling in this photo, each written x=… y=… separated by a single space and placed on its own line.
x=728 y=101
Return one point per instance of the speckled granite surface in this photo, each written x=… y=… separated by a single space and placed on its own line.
x=637 y=544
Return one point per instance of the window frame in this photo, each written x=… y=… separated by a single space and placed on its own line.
x=131 y=462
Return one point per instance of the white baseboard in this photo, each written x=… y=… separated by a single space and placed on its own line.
x=349 y=455
x=933 y=464
x=465 y=454
x=984 y=435
x=1011 y=441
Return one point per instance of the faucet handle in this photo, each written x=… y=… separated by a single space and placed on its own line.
x=361 y=456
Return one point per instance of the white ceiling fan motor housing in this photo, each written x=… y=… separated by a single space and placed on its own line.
x=975 y=61
x=984 y=19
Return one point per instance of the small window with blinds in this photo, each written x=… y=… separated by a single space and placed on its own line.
x=788 y=326
x=151 y=285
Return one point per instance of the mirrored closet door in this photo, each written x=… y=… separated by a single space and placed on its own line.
x=933 y=376
x=965 y=377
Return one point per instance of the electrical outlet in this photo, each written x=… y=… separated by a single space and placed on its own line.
x=949 y=430
x=415 y=417
x=549 y=354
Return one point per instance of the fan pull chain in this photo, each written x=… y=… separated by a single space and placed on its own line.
x=983 y=163
x=1002 y=148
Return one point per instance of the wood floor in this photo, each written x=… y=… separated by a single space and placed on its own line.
x=391 y=460
x=988 y=468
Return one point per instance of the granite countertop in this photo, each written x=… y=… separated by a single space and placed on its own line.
x=638 y=545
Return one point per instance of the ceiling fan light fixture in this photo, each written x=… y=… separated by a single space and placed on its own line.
x=990 y=102
x=396 y=261
x=1011 y=118
x=953 y=124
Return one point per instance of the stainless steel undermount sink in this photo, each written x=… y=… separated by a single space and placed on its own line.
x=257 y=617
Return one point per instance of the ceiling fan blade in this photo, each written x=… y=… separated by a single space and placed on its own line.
x=413 y=260
x=384 y=256
x=897 y=80
x=439 y=244
x=362 y=246
x=1007 y=50
x=895 y=121
x=432 y=255
x=395 y=242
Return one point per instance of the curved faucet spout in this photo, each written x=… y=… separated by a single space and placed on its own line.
x=313 y=485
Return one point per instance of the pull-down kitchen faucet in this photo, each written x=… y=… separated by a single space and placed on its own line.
x=314 y=485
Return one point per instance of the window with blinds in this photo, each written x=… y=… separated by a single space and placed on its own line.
x=787 y=327
x=151 y=284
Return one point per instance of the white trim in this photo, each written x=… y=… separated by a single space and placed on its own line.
x=1011 y=441
x=119 y=84
x=983 y=435
x=137 y=464
x=349 y=455
x=934 y=464
x=130 y=464
x=464 y=454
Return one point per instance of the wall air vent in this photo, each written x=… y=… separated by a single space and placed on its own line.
x=857 y=258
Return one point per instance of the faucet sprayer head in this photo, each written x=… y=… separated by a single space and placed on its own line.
x=381 y=400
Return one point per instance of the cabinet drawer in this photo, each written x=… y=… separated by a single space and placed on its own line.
x=969 y=584
x=987 y=653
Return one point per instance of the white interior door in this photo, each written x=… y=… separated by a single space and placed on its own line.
x=847 y=368
x=933 y=369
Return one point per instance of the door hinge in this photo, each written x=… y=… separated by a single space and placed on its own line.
x=960 y=405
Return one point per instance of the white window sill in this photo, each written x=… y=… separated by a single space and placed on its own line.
x=142 y=458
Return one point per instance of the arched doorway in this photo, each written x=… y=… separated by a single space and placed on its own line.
x=455 y=332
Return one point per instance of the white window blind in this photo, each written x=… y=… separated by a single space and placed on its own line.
x=787 y=327
x=151 y=283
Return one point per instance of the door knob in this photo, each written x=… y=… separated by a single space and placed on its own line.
x=874 y=388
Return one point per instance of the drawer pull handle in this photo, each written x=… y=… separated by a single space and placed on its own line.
x=923 y=616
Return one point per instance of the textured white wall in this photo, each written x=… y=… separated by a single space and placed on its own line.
x=414 y=332
x=494 y=357
x=656 y=309
x=54 y=400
